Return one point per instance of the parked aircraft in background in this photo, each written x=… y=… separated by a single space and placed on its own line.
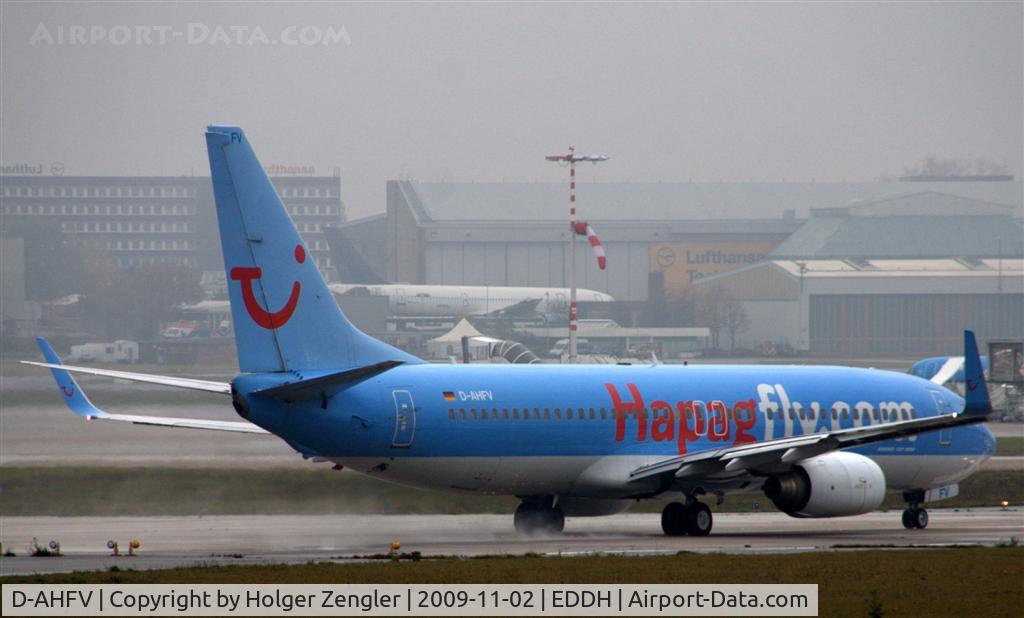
x=568 y=440
x=415 y=300
x=408 y=300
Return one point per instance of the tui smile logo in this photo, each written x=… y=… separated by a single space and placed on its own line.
x=267 y=319
x=67 y=393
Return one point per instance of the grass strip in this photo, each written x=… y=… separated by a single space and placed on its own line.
x=929 y=582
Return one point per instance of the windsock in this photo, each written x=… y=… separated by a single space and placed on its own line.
x=583 y=228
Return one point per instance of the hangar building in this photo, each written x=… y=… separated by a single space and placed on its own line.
x=659 y=237
x=856 y=241
x=896 y=276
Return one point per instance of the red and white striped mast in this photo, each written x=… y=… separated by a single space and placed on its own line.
x=575 y=228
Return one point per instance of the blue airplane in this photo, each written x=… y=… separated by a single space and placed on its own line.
x=573 y=440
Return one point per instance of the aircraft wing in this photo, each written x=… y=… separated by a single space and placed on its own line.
x=76 y=399
x=189 y=383
x=54 y=364
x=522 y=308
x=948 y=369
x=791 y=450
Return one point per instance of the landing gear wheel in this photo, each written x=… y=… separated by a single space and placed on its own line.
x=698 y=519
x=915 y=517
x=554 y=520
x=673 y=519
x=527 y=518
x=535 y=518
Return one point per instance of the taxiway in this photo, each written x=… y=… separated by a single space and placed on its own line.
x=264 y=539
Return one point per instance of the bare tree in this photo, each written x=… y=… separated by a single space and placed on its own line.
x=708 y=312
x=735 y=320
x=718 y=311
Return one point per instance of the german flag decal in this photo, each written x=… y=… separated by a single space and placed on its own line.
x=449 y=396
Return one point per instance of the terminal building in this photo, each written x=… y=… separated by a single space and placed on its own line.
x=156 y=219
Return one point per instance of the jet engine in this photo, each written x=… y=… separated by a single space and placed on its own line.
x=831 y=485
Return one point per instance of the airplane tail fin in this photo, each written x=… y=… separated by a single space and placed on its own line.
x=975 y=389
x=285 y=318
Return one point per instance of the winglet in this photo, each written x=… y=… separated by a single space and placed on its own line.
x=69 y=390
x=975 y=389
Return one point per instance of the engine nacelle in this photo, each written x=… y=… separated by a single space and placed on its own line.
x=830 y=485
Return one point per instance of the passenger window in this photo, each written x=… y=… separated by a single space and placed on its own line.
x=536 y=414
x=505 y=414
x=515 y=413
x=580 y=414
x=547 y=414
x=483 y=414
x=451 y=414
x=462 y=412
x=592 y=417
x=473 y=412
x=792 y=415
x=604 y=414
x=568 y=414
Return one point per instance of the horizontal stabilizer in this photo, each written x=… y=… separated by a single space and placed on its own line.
x=324 y=386
x=189 y=383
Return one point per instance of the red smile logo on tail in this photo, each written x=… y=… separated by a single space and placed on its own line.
x=267 y=319
x=67 y=393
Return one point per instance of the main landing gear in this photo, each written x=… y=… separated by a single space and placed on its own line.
x=915 y=517
x=542 y=517
x=694 y=519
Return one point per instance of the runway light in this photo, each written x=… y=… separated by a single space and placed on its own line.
x=1004 y=504
x=135 y=544
x=395 y=546
x=114 y=549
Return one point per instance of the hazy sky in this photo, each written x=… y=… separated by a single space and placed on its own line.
x=482 y=92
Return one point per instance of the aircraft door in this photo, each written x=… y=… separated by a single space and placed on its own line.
x=943 y=405
x=405 y=419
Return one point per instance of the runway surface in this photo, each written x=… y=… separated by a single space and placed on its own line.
x=264 y=539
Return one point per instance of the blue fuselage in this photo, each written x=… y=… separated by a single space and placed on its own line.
x=546 y=415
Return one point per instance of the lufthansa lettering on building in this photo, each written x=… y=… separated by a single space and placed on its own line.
x=22 y=168
x=277 y=169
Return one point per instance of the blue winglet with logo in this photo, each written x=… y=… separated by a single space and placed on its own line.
x=975 y=390
x=69 y=390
